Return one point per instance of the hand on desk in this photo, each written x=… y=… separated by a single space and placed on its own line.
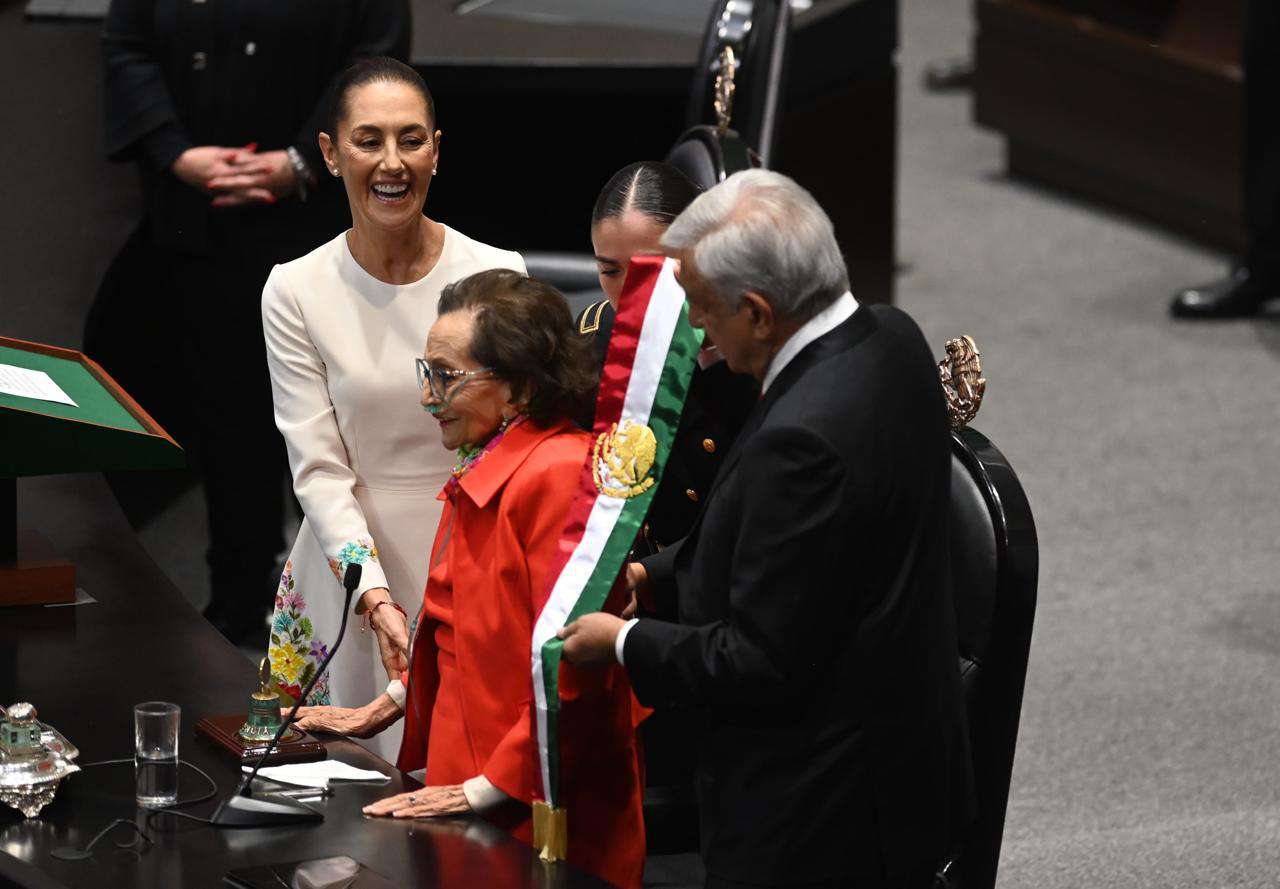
x=589 y=640
x=355 y=722
x=427 y=802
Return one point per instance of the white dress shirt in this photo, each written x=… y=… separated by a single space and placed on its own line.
x=819 y=325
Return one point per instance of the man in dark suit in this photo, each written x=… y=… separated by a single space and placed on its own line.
x=815 y=629
x=1256 y=278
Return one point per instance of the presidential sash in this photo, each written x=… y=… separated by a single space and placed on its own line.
x=643 y=385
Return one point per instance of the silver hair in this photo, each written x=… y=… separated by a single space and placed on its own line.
x=759 y=231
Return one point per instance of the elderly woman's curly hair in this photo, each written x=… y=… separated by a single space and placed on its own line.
x=524 y=331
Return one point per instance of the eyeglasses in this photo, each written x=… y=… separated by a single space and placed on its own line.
x=441 y=381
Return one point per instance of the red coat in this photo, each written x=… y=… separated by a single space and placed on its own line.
x=500 y=533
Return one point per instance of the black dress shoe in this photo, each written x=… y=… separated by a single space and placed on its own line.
x=1238 y=296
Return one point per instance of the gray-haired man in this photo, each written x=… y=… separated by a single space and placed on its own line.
x=809 y=615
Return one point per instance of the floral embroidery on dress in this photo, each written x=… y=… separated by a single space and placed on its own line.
x=354 y=552
x=294 y=653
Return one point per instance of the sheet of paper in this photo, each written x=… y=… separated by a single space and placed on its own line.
x=31 y=384
x=310 y=774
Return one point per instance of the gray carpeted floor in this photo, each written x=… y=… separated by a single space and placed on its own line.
x=1150 y=737
x=1151 y=730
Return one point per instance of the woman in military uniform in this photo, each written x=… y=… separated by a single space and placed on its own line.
x=632 y=212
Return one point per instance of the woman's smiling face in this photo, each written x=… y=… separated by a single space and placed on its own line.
x=386 y=151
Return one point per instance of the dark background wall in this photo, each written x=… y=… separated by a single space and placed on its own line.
x=64 y=210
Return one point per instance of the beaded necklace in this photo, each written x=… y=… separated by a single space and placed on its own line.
x=470 y=455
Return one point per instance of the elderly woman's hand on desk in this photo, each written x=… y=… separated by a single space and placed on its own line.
x=426 y=802
x=355 y=722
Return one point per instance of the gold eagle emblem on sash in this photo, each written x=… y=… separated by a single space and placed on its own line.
x=622 y=460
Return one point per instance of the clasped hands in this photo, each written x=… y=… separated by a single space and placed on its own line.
x=235 y=177
x=589 y=640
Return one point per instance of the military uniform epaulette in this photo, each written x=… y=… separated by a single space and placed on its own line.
x=589 y=320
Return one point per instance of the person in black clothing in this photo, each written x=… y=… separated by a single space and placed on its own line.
x=219 y=103
x=631 y=214
x=807 y=617
x=1256 y=279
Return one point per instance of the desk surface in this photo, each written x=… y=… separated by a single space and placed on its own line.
x=84 y=668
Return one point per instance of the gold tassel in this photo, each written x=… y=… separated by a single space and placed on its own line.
x=550 y=831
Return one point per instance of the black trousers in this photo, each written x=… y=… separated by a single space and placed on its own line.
x=1261 y=58
x=183 y=333
x=233 y=435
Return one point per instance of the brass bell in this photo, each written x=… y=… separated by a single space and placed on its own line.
x=264 y=709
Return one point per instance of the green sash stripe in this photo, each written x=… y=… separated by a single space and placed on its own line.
x=664 y=419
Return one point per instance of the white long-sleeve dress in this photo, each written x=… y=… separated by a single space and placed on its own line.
x=366 y=459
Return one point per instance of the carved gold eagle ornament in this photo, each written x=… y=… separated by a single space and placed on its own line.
x=962 y=380
x=622 y=460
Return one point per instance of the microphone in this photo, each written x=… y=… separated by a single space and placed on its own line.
x=242 y=808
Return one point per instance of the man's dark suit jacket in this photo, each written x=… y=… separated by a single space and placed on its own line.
x=816 y=630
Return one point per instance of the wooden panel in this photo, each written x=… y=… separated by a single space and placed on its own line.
x=1149 y=127
x=855 y=180
x=38 y=577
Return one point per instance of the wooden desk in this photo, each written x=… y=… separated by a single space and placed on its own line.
x=84 y=668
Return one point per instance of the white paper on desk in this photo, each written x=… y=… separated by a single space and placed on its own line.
x=319 y=774
x=31 y=384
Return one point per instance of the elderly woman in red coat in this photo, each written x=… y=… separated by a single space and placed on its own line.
x=504 y=372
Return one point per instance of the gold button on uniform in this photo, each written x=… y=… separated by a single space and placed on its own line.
x=709 y=446
x=199 y=61
x=692 y=495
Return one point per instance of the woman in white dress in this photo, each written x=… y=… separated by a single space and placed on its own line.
x=343 y=326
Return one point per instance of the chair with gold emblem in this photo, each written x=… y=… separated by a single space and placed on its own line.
x=994 y=567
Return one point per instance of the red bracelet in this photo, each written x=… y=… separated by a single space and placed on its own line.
x=368 y=615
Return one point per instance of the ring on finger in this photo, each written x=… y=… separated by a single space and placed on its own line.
x=413 y=798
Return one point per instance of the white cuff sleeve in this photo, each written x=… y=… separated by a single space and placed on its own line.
x=481 y=794
x=621 y=641
x=372 y=577
x=396 y=689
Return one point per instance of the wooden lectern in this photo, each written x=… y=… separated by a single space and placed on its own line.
x=104 y=431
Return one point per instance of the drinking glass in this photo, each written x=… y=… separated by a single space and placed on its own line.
x=155 y=753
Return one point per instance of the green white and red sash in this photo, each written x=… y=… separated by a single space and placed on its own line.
x=652 y=350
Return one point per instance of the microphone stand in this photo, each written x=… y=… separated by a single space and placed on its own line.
x=243 y=808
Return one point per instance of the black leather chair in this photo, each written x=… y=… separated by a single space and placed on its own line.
x=994 y=565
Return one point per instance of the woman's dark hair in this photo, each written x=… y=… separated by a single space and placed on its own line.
x=380 y=69
x=524 y=331
x=652 y=187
